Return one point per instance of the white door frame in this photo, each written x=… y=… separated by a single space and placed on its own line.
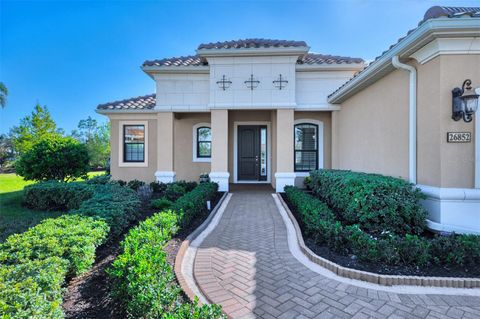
x=235 y=152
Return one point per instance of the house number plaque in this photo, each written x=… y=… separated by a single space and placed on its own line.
x=459 y=137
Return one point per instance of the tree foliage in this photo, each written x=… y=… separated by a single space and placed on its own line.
x=96 y=138
x=6 y=150
x=54 y=158
x=3 y=95
x=34 y=127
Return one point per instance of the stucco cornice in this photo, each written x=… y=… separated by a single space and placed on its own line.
x=428 y=31
x=253 y=51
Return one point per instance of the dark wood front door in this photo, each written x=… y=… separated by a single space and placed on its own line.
x=251 y=141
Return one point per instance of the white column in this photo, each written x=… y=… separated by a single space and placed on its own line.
x=219 y=165
x=165 y=172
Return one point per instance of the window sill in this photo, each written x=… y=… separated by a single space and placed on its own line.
x=133 y=164
x=202 y=159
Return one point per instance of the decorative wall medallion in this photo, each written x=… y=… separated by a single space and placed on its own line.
x=224 y=83
x=252 y=83
x=280 y=82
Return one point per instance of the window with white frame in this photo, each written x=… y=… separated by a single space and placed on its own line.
x=306 y=147
x=133 y=144
x=202 y=142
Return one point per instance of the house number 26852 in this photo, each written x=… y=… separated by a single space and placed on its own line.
x=459 y=137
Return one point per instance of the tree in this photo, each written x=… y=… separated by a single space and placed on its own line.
x=96 y=138
x=34 y=127
x=54 y=158
x=6 y=150
x=3 y=94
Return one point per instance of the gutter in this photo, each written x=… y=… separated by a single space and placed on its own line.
x=412 y=118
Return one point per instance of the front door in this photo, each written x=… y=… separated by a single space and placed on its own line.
x=252 y=153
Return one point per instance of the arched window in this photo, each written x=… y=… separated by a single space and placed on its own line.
x=306 y=147
x=202 y=142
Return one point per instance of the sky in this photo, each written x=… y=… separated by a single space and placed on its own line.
x=73 y=55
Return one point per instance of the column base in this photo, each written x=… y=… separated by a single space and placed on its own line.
x=284 y=179
x=165 y=176
x=221 y=178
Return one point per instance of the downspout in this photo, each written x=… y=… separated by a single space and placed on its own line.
x=412 y=118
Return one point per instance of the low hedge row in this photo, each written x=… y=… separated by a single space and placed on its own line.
x=142 y=279
x=193 y=204
x=33 y=265
x=319 y=224
x=99 y=198
x=375 y=202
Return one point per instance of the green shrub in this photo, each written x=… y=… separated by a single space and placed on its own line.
x=32 y=289
x=174 y=191
x=194 y=203
x=377 y=203
x=100 y=179
x=320 y=225
x=54 y=158
x=161 y=204
x=115 y=204
x=142 y=278
x=53 y=195
x=158 y=188
x=188 y=186
x=135 y=184
x=73 y=238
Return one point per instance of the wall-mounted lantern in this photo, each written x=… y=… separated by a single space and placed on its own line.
x=280 y=82
x=464 y=102
x=224 y=83
x=252 y=83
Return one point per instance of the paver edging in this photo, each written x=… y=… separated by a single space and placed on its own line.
x=186 y=244
x=384 y=280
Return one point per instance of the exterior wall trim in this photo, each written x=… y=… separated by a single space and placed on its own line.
x=235 y=151
x=194 y=144
x=477 y=148
x=447 y=46
x=121 y=163
x=452 y=209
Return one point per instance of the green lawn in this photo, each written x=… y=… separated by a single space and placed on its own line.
x=14 y=218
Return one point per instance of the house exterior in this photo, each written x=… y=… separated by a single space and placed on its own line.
x=269 y=111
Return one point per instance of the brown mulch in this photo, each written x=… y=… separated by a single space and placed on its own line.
x=87 y=296
x=351 y=261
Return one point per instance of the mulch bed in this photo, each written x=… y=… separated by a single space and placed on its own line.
x=87 y=296
x=352 y=262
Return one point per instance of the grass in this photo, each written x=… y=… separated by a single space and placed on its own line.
x=14 y=218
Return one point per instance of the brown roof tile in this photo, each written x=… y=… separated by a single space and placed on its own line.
x=190 y=60
x=252 y=44
x=145 y=102
x=313 y=58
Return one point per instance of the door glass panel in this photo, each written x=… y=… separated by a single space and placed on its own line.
x=263 y=151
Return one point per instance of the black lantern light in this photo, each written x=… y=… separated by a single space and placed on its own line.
x=224 y=83
x=464 y=102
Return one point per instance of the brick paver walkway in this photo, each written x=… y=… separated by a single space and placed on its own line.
x=245 y=265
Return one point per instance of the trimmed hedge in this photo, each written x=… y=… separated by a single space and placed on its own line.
x=33 y=265
x=375 y=202
x=99 y=198
x=142 y=279
x=54 y=195
x=193 y=204
x=320 y=224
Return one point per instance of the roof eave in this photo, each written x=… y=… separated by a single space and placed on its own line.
x=253 y=51
x=117 y=111
x=440 y=27
x=329 y=67
x=151 y=70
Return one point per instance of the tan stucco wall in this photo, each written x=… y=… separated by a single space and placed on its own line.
x=129 y=173
x=184 y=166
x=371 y=129
x=440 y=163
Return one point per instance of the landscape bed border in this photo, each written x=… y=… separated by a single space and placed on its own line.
x=383 y=280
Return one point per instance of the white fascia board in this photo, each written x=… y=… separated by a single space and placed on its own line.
x=120 y=111
x=151 y=70
x=441 y=27
x=253 y=51
x=329 y=67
